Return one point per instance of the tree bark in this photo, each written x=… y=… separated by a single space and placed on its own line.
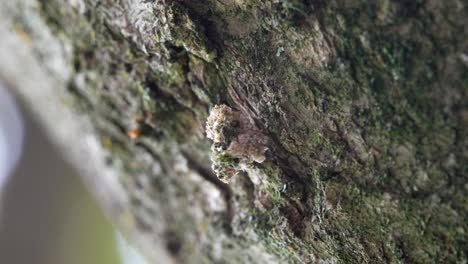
x=340 y=127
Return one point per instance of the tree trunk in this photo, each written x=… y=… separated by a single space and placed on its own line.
x=338 y=130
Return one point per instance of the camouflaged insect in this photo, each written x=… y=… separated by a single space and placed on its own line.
x=237 y=141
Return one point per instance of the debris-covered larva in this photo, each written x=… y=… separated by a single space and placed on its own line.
x=237 y=141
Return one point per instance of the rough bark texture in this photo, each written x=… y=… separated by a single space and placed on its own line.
x=364 y=105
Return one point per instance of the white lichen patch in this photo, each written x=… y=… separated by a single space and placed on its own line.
x=78 y=5
x=312 y=50
x=146 y=23
x=237 y=141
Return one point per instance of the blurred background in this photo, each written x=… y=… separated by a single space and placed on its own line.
x=46 y=214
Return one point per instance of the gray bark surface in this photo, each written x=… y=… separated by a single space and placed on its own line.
x=340 y=126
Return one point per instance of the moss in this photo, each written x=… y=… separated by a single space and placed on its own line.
x=224 y=158
x=275 y=188
x=192 y=43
